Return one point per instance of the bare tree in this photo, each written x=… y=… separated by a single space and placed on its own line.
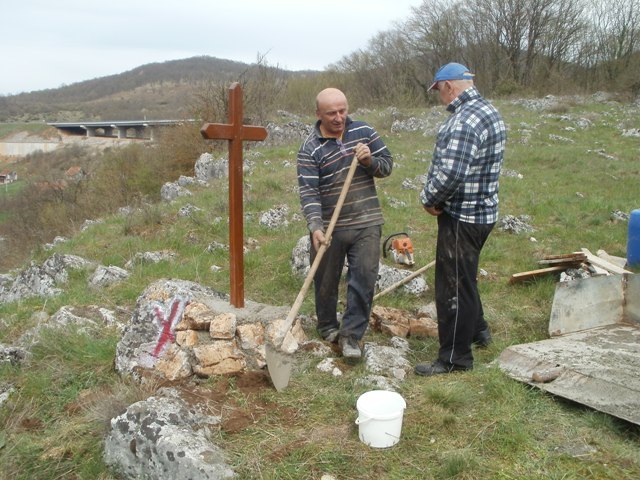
x=615 y=37
x=383 y=73
x=526 y=30
x=435 y=32
x=511 y=44
x=263 y=86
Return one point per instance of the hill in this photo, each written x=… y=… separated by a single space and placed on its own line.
x=154 y=90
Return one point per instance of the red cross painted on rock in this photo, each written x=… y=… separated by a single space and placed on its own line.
x=235 y=132
x=167 y=325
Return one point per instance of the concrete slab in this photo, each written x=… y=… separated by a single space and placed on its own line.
x=594 y=358
x=599 y=368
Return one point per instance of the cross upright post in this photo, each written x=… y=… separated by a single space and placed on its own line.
x=235 y=132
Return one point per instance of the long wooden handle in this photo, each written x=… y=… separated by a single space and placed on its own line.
x=316 y=262
x=406 y=279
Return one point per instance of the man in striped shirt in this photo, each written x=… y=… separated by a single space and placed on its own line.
x=461 y=190
x=323 y=162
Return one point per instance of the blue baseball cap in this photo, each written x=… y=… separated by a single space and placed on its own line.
x=451 y=71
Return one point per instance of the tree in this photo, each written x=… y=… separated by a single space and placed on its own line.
x=383 y=73
x=614 y=42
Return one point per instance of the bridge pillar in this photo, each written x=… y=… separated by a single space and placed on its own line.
x=122 y=132
x=91 y=132
x=153 y=133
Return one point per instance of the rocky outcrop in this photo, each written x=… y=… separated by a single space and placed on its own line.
x=388 y=276
x=106 y=276
x=207 y=167
x=88 y=319
x=165 y=437
x=41 y=280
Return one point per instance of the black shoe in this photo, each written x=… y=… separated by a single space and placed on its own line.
x=350 y=347
x=482 y=339
x=438 y=367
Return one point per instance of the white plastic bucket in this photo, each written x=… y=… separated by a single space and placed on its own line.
x=380 y=418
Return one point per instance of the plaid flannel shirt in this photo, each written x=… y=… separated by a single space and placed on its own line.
x=467 y=158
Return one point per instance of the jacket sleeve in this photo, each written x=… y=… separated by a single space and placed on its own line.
x=381 y=159
x=309 y=189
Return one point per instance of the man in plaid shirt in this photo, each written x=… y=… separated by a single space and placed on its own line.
x=461 y=190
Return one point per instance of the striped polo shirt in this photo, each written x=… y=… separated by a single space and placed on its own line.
x=323 y=165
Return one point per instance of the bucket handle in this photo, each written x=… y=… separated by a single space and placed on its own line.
x=360 y=421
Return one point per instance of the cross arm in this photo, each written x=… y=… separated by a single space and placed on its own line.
x=250 y=132
x=220 y=131
x=217 y=131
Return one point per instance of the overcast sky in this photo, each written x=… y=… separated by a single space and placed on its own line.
x=46 y=44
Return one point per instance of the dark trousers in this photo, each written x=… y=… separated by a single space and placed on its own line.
x=460 y=313
x=361 y=248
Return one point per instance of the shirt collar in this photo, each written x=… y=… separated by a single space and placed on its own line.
x=469 y=94
x=319 y=133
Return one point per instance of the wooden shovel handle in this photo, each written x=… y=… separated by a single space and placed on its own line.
x=316 y=262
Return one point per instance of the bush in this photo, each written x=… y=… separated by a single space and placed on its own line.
x=51 y=205
x=506 y=88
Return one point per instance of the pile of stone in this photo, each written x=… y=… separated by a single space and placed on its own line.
x=515 y=224
x=181 y=329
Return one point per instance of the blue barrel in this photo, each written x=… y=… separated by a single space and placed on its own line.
x=633 y=243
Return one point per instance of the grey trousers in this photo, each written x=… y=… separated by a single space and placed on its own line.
x=361 y=249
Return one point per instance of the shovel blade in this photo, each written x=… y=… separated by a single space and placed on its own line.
x=279 y=365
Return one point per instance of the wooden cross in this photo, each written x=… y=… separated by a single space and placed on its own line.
x=235 y=132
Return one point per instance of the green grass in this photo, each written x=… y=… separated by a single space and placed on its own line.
x=7 y=191
x=35 y=128
x=474 y=425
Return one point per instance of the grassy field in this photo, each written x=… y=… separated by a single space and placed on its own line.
x=575 y=168
x=32 y=128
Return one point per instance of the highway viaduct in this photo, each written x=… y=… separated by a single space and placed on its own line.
x=140 y=129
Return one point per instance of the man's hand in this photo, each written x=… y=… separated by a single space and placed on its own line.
x=319 y=239
x=435 y=211
x=363 y=154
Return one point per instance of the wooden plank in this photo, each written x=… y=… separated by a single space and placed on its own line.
x=619 y=261
x=574 y=256
x=595 y=270
x=562 y=261
x=602 y=263
x=522 y=276
x=568 y=260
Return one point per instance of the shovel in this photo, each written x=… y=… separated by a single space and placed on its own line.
x=279 y=363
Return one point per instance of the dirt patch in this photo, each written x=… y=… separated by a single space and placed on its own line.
x=236 y=400
x=253 y=382
x=283 y=452
x=31 y=424
x=237 y=421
